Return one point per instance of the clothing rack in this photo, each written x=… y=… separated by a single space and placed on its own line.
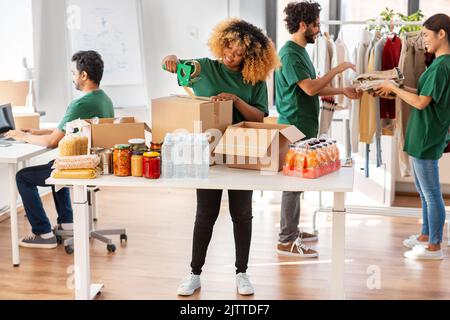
x=396 y=23
x=382 y=210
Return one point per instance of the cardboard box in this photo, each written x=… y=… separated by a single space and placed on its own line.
x=195 y=115
x=257 y=146
x=27 y=120
x=13 y=92
x=110 y=131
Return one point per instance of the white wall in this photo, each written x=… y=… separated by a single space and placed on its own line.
x=171 y=26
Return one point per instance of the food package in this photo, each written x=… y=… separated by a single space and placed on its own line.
x=77 y=162
x=73 y=145
x=74 y=174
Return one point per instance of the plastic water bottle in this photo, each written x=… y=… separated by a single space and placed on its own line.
x=190 y=145
x=205 y=157
x=167 y=157
x=198 y=156
x=180 y=167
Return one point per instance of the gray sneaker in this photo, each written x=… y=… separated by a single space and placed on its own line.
x=58 y=230
x=36 y=241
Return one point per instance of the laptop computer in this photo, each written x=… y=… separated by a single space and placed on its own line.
x=6 y=123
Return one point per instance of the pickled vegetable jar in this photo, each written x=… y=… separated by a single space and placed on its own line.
x=122 y=160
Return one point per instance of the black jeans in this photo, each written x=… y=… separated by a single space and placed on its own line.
x=208 y=207
x=28 y=179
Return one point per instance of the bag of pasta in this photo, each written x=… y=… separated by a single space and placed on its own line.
x=73 y=144
x=77 y=162
x=74 y=174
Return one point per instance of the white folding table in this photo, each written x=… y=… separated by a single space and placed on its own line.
x=13 y=155
x=220 y=177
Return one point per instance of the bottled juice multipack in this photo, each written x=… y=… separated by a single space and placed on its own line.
x=312 y=158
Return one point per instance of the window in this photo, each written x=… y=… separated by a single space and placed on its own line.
x=431 y=7
x=16 y=31
x=356 y=10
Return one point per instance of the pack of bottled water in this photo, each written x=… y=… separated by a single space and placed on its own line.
x=185 y=155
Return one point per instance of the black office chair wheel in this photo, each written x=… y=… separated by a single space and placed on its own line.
x=69 y=249
x=123 y=237
x=59 y=240
x=111 y=247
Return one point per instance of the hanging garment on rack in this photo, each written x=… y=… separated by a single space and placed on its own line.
x=412 y=64
x=341 y=80
x=379 y=47
x=327 y=108
x=367 y=113
x=359 y=60
x=389 y=60
x=323 y=52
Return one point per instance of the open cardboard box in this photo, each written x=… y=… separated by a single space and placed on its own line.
x=257 y=146
x=106 y=132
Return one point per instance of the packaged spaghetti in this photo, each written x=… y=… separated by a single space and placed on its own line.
x=77 y=162
x=73 y=145
x=74 y=174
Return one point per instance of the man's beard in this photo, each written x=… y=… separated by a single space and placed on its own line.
x=309 y=36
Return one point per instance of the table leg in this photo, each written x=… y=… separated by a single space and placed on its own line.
x=338 y=247
x=12 y=169
x=84 y=290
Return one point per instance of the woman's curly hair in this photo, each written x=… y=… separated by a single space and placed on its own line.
x=260 y=56
x=296 y=12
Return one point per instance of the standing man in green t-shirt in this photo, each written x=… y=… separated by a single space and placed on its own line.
x=427 y=135
x=297 y=102
x=87 y=72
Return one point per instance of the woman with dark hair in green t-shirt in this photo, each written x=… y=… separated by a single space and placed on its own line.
x=427 y=136
x=245 y=59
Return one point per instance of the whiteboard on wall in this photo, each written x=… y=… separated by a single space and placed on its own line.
x=110 y=27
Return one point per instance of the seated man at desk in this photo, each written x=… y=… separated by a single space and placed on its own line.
x=87 y=72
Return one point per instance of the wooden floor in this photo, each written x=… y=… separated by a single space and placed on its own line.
x=156 y=258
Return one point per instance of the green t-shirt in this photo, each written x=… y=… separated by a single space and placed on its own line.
x=93 y=104
x=427 y=130
x=215 y=78
x=293 y=104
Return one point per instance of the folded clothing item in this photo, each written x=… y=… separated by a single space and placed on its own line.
x=74 y=174
x=77 y=162
x=370 y=80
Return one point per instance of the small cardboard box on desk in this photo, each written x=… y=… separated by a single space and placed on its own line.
x=107 y=132
x=257 y=146
x=26 y=120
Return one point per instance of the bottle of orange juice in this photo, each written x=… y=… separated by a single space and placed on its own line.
x=300 y=162
x=312 y=169
x=290 y=158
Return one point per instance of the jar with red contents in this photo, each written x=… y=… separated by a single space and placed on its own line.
x=151 y=165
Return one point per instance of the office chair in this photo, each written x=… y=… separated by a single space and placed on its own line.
x=100 y=235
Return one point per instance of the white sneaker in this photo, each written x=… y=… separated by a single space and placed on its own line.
x=189 y=286
x=412 y=241
x=244 y=285
x=422 y=253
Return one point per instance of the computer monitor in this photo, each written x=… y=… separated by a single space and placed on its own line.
x=6 y=118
